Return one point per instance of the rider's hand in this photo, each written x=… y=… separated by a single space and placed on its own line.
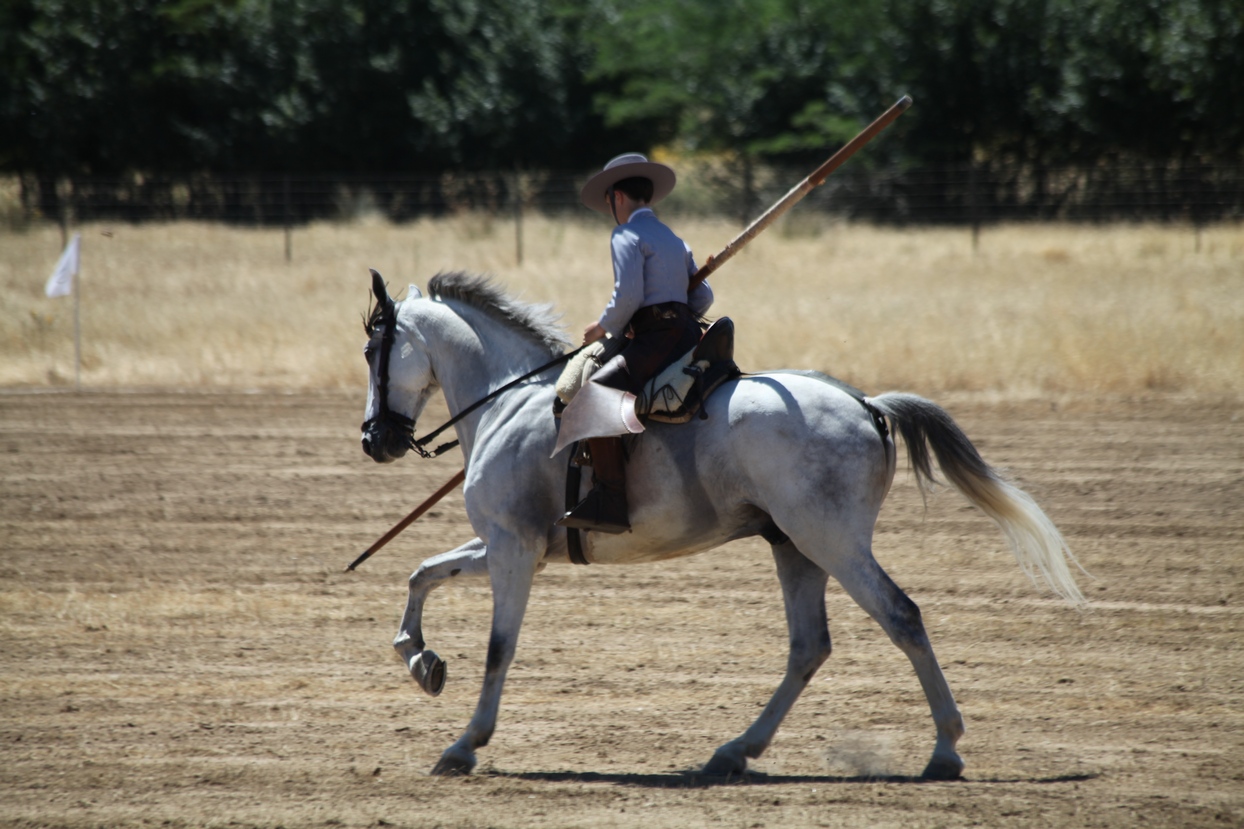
x=593 y=333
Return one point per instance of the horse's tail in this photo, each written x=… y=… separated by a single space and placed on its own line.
x=1037 y=544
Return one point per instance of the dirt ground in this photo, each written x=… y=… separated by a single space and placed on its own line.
x=180 y=647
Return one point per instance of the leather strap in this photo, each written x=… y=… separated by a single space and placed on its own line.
x=574 y=477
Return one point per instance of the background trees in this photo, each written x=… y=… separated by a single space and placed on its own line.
x=408 y=86
x=92 y=86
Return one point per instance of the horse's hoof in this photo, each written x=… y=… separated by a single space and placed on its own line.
x=428 y=669
x=453 y=764
x=943 y=768
x=725 y=764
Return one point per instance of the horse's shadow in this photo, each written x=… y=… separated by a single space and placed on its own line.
x=694 y=779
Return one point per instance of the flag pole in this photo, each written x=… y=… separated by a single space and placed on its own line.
x=63 y=282
x=77 y=324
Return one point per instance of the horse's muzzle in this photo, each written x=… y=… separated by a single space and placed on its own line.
x=384 y=444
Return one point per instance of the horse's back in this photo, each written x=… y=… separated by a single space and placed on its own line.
x=778 y=407
x=779 y=421
x=798 y=435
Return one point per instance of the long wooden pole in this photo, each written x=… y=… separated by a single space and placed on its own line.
x=447 y=488
x=803 y=188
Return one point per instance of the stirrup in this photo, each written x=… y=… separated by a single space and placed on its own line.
x=595 y=512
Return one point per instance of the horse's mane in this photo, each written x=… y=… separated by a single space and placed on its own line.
x=479 y=292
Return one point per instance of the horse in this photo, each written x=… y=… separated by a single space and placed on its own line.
x=792 y=456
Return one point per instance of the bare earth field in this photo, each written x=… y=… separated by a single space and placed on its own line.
x=179 y=646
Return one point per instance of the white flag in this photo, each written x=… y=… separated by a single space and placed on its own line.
x=61 y=281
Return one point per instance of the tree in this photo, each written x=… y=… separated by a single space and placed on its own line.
x=754 y=77
x=1058 y=81
x=229 y=86
x=95 y=87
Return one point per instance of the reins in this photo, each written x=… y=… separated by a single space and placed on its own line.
x=420 y=444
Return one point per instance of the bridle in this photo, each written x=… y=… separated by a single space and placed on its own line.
x=396 y=420
x=406 y=425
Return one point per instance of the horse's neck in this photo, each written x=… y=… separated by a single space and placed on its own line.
x=475 y=355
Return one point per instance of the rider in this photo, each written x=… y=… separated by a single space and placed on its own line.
x=652 y=269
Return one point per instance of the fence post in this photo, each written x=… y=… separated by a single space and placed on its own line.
x=974 y=207
x=517 y=189
x=64 y=207
x=1200 y=203
x=288 y=232
x=748 y=196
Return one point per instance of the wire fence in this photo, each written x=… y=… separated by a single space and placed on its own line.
x=970 y=195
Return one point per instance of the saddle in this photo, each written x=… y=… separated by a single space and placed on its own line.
x=676 y=394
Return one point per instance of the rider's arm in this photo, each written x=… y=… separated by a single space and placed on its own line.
x=628 y=282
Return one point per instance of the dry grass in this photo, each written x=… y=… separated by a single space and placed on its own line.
x=1037 y=309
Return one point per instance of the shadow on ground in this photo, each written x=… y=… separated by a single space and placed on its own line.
x=692 y=779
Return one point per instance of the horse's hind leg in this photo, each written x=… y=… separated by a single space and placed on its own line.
x=424 y=665
x=803 y=590
x=899 y=617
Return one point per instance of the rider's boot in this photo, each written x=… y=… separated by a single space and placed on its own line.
x=604 y=509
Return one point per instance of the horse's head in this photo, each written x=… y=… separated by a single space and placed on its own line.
x=401 y=375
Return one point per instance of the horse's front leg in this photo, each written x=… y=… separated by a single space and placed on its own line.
x=512 y=565
x=428 y=669
x=803 y=590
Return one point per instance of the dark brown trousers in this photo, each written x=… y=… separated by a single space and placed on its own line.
x=662 y=334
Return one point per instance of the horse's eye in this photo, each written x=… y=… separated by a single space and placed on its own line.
x=368 y=351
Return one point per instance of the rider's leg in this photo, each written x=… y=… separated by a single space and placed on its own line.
x=661 y=335
x=605 y=508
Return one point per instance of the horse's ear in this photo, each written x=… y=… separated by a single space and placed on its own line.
x=412 y=292
x=379 y=288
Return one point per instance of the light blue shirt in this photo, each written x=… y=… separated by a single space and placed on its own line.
x=650 y=266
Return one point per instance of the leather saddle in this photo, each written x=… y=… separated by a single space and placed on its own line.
x=677 y=394
x=673 y=396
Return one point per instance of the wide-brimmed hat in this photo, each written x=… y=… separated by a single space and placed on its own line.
x=627 y=165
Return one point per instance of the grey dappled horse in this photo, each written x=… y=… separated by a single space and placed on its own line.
x=787 y=455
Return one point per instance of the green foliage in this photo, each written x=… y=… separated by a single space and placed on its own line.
x=1068 y=80
x=758 y=77
x=96 y=86
x=91 y=86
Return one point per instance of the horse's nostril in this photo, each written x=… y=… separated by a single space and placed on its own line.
x=367 y=445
